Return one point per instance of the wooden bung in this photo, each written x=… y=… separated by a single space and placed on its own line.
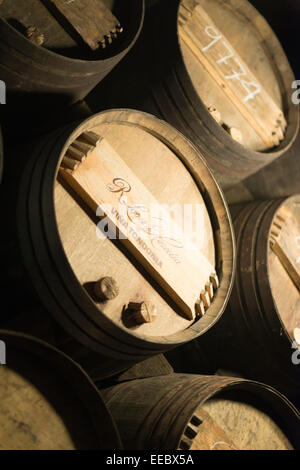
x=106 y=289
x=194 y=412
x=143 y=237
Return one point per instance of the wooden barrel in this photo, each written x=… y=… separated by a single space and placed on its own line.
x=52 y=55
x=259 y=332
x=192 y=412
x=266 y=292
x=216 y=71
x=47 y=400
x=147 y=288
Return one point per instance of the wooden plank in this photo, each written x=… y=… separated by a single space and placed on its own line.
x=91 y=20
x=103 y=180
x=284 y=243
x=232 y=74
x=284 y=254
x=285 y=293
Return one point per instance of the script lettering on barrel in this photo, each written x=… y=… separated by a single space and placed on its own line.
x=228 y=57
x=130 y=212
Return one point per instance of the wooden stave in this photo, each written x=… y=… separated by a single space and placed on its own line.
x=230 y=161
x=47 y=81
x=247 y=343
x=148 y=423
x=134 y=346
x=245 y=285
x=237 y=300
x=69 y=371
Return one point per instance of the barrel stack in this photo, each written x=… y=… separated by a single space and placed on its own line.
x=151 y=294
x=216 y=71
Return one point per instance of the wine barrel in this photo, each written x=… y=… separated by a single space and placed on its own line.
x=47 y=402
x=259 y=332
x=216 y=71
x=265 y=304
x=192 y=412
x=52 y=53
x=147 y=287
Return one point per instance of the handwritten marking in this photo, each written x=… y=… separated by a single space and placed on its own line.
x=216 y=36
